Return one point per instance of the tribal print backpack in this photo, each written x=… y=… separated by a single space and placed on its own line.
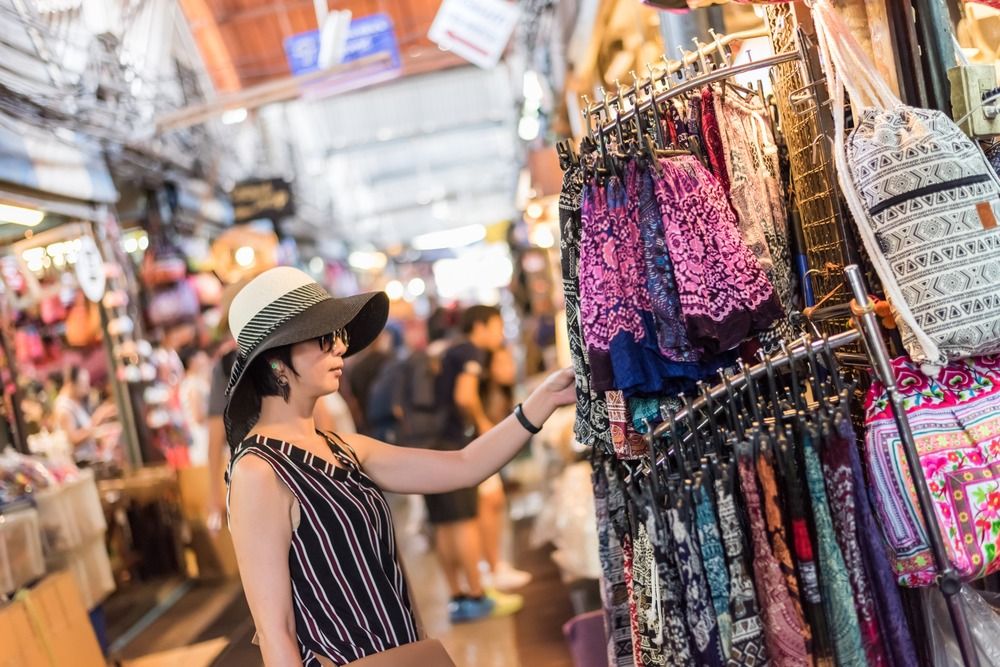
x=926 y=202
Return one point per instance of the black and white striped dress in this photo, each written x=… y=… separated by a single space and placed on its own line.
x=348 y=588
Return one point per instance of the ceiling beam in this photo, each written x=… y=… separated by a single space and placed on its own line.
x=260 y=11
x=279 y=90
x=214 y=51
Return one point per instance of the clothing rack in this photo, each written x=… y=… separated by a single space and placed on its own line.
x=709 y=75
x=760 y=370
x=869 y=330
x=948 y=581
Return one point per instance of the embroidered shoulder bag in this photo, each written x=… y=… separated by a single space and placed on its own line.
x=955 y=417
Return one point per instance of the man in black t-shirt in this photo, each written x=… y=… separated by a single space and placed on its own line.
x=453 y=515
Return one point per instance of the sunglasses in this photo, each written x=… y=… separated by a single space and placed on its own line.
x=328 y=341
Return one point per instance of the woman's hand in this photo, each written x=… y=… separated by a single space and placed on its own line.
x=555 y=391
x=561 y=387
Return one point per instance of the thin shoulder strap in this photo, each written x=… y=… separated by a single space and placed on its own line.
x=343 y=451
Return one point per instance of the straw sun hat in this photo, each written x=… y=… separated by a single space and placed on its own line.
x=284 y=306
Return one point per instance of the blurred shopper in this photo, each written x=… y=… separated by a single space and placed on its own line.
x=496 y=393
x=415 y=400
x=381 y=412
x=225 y=359
x=73 y=417
x=454 y=515
x=361 y=374
x=312 y=530
x=194 y=393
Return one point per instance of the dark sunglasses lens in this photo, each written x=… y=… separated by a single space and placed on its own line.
x=326 y=342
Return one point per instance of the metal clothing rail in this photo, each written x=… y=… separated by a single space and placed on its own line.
x=737 y=382
x=948 y=580
x=695 y=83
x=703 y=55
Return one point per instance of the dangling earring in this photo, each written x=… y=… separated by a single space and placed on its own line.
x=281 y=379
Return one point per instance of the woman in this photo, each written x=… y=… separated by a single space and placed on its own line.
x=75 y=419
x=194 y=392
x=312 y=530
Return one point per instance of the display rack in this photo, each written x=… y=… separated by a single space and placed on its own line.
x=948 y=580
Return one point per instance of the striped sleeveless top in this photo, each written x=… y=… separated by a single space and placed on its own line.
x=348 y=588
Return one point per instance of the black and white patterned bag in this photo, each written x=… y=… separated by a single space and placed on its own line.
x=926 y=202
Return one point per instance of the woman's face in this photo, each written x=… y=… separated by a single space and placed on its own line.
x=82 y=388
x=319 y=368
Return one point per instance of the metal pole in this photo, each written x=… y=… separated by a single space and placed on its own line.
x=937 y=46
x=948 y=580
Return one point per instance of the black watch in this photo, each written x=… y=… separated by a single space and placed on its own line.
x=525 y=422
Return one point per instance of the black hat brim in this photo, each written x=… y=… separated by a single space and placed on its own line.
x=363 y=316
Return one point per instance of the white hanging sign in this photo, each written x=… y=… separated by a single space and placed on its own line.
x=90 y=270
x=477 y=30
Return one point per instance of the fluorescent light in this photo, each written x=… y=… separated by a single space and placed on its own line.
x=18 y=215
x=532 y=86
x=542 y=236
x=131 y=244
x=416 y=287
x=450 y=238
x=245 y=256
x=394 y=289
x=529 y=127
x=234 y=116
x=367 y=261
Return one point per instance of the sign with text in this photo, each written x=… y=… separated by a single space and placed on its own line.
x=367 y=36
x=90 y=270
x=269 y=198
x=477 y=30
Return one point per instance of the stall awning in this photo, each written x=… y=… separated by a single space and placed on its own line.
x=59 y=162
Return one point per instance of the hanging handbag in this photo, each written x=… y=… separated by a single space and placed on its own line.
x=163 y=265
x=925 y=201
x=83 y=324
x=170 y=305
x=955 y=418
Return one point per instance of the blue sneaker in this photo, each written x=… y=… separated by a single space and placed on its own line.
x=470 y=609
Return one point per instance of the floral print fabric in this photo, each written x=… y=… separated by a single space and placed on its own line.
x=955 y=418
x=724 y=294
x=783 y=626
x=840 y=491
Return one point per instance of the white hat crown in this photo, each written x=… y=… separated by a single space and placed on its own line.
x=263 y=290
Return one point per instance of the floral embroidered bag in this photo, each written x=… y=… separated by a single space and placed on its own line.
x=955 y=417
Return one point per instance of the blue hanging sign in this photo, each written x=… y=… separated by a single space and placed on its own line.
x=367 y=36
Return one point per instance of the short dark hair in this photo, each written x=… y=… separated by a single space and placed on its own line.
x=477 y=315
x=187 y=355
x=71 y=375
x=262 y=377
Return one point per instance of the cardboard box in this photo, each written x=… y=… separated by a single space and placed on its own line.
x=213 y=550
x=60 y=621
x=197 y=655
x=193 y=484
x=20 y=645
